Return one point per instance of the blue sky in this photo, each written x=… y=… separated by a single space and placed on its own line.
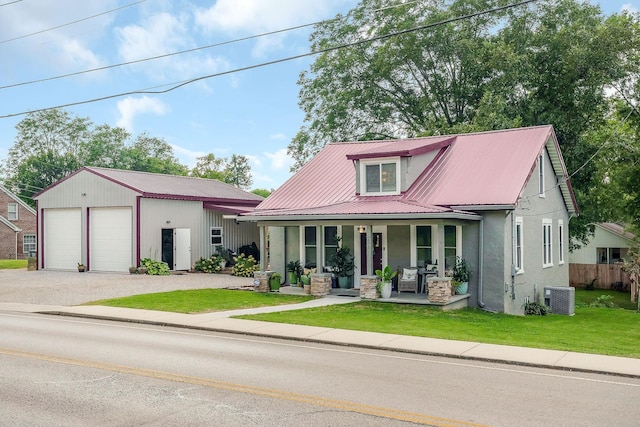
x=252 y=113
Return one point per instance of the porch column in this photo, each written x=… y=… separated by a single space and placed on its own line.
x=369 y=249
x=319 y=249
x=263 y=249
x=440 y=250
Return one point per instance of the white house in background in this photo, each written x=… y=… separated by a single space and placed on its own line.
x=109 y=219
x=610 y=244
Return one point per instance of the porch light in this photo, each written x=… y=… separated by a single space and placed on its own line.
x=362 y=229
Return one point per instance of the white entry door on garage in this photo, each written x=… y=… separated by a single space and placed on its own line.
x=62 y=238
x=110 y=239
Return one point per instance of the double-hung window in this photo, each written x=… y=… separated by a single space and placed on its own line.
x=310 y=245
x=547 y=252
x=216 y=236
x=380 y=177
x=28 y=243
x=450 y=246
x=560 y=242
x=12 y=214
x=330 y=242
x=519 y=245
x=424 y=245
x=541 y=187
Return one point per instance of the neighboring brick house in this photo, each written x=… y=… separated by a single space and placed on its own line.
x=17 y=227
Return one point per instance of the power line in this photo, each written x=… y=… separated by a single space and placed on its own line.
x=69 y=23
x=11 y=2
x=177 y=85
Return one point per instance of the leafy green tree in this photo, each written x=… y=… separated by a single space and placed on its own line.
x=237 y=172
x=51 y=144
x=262 y=192
x=210 y=167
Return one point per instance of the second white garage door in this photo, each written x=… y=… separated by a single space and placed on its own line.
x=110 y=239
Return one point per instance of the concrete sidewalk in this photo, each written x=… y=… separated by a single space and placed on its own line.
x=223 y=322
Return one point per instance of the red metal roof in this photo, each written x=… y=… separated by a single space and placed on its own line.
x=479 y=169
x=161 y=186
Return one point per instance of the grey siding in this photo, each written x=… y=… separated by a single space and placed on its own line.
x=493 y=259
x=529 y=285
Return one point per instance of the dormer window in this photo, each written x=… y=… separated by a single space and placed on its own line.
x=381 y=177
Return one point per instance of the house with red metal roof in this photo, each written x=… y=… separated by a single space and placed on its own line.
x=109 y=219
x=500 y=200
x=17 y=226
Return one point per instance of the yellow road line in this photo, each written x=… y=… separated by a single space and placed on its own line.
x=278 y=394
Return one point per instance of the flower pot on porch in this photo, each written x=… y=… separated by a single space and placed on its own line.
x=385 y=290
x=463 y=288
x=293 y=278
x=274 y=282
x=343 y=282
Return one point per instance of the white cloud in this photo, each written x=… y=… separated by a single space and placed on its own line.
x=259 y=16
x=278 y=137
x=163 y=34
x=129 y=108
x=629 y=8
x=280 y=159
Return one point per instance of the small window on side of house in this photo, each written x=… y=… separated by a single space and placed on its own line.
x=12 y=214
x=541 y=187
x=519 y=245
x=29 y=243
x=560 y=242
x=216 y=236
x=547 y=251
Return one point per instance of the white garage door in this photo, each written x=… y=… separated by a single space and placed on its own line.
x=62 y=238
x=110 y=239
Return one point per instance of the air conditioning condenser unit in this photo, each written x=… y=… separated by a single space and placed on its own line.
x=560 y=299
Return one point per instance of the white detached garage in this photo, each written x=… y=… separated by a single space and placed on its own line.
x=109 y=219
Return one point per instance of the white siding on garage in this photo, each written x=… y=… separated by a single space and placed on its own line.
x=110 y=239
x=62 y=238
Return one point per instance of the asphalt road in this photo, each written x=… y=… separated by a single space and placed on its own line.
x=68 y=371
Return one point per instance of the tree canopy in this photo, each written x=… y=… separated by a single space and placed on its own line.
x=52 y=144
x=439 y=67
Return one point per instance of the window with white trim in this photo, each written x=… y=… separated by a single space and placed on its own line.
x=541 y=188
x=12 y=214
x=424 y=244
x=330 y=242
x=310 y=245
x=450 y=246
x=519 y=245
x=560 y=242
x=547 y=252
x=216 y=236
x=380 y=177
x=28 y=243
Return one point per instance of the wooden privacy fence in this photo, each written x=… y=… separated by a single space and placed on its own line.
x=581 y=275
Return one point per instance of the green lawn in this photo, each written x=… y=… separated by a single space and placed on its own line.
x=202 y=300
x=12 y=263
x=611 y=331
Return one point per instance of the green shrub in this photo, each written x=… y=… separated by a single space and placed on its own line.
x=245 y=266
x=155 y=268
x=535 y=309
x=209 y=265
x=603 y=301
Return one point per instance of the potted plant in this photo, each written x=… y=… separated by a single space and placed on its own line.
x=342 y=264
x=386 y=276
x=81 y=267
x=274 y=281
x=460 y=276
x=133 y=270
x=305 y=279
x=294 y=269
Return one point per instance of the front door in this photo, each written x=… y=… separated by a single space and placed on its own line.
x=176 y=248
x=377 y=253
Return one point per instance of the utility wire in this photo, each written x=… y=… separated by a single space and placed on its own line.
x=11 y=2
x=269 y=33
x=69 y=23
x=177 y=85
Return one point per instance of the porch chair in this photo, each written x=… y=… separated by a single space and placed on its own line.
x=408 y=280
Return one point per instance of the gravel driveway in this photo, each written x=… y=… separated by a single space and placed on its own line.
x=73 y=288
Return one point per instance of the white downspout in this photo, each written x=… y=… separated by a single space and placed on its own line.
x=481 y=263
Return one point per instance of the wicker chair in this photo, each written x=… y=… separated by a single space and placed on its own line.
x=408 y=280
